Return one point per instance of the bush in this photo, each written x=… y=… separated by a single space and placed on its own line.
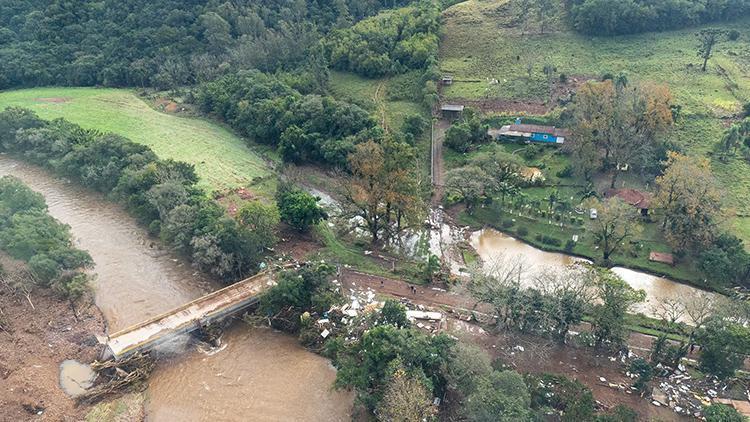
x=522 y=231
x=570 y=245
x=298 y=208
x=549 y=240
x=566 y=172
x=508 y=223
x=733 y=35
x=746 y=109
x=722 y=413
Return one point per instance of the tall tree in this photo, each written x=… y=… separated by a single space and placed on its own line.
x=406 y=399
x=382 y=189
x=616 y=223
x=707 y=40
x=618 y=125
x=690 y=198
x=615 y=299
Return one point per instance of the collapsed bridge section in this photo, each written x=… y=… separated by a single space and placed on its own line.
x=190 y=316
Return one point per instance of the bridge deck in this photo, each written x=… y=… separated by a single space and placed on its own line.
x=188 y=316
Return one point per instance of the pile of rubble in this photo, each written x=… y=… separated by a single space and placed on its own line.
x=358 y=315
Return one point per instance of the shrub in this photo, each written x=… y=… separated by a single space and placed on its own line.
x=570 y=245
x=722 y=413
x=549 y=240
x=508 y=223
x=298 y=208
x=733 y=35
x=563 y=78
x=566 y=172
x=522 y=231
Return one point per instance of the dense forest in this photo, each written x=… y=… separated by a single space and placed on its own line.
x=163 y=43
x=614 y=17
x=160 y=193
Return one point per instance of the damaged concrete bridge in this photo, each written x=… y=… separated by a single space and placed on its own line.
x=190 y=316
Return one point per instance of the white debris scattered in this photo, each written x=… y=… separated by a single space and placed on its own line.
x=432 y=316
x=325 y=333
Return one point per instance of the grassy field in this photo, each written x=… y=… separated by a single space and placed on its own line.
x=489 y=57
x=390 y=100
x=222 y=160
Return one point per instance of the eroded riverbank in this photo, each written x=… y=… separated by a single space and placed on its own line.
x=136 y=280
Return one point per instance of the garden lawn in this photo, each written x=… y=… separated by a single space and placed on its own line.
x=488 y=55
x=222 y=160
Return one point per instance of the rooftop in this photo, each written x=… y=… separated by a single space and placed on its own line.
x=636 y=198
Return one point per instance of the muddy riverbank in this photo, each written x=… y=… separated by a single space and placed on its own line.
x=492 y=245
x=37 y=335
x=137 y=280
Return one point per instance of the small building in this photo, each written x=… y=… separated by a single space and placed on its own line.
x=636 y=198
x=529 y=133
x=664 y=258
x=446 y=80
x=451 y=111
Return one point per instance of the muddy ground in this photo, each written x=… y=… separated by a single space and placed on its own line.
x=33 y=343
x=538 y=356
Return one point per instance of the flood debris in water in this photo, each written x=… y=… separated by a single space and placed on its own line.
x=118 y=375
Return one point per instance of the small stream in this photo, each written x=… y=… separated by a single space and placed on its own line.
x=492 y=245
x=258 y=375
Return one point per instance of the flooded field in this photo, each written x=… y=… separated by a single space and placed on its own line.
x=259 y=375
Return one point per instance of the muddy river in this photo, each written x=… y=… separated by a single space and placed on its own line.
x=258 y=375
x=492 y=245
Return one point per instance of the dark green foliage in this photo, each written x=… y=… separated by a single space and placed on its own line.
x=644 y=371
x=159 y=193
x=391 y=42
x=305 y=128
x=164 y=43
x=466 y=133
x=363 y=365
x=29 y=233
x=726 y=261
x=522 y=231
x=733 y=35
x=394 y=313
x=612 y=17
x=297 y=291
x=722 y=413
x=298 y=208
x=414 y=125
x=723 y=347
x=570 y=397
x=499 y=396
x=548 y=240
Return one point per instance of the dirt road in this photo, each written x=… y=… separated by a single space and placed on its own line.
x=438 y=167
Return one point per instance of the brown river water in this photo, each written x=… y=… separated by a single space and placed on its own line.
x=492 y=245
x=258 y=374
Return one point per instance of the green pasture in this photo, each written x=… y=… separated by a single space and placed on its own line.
x=488 y=54
x=222 y=160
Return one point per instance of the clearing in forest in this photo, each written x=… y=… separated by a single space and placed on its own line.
x=497 y=64
x=222 y=160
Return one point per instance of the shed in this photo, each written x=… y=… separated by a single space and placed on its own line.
x=636 y=198
x=664 y=258
x=451 y=111
x=530 y=133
